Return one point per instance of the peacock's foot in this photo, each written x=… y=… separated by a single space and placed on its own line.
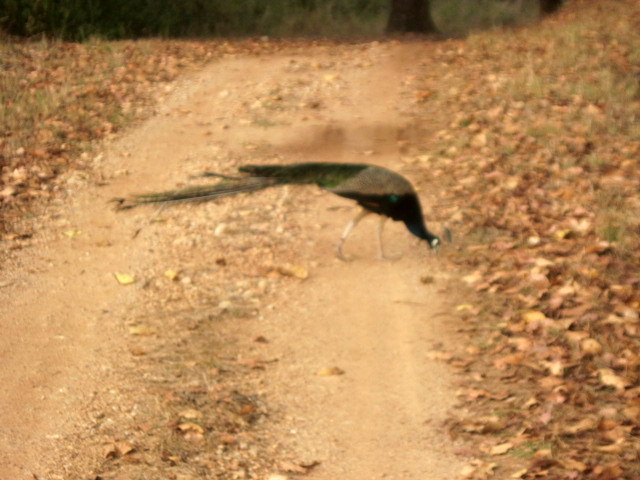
x=342 y=256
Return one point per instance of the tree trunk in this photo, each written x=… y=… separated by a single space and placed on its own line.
x=549 y=6
x=411 y=16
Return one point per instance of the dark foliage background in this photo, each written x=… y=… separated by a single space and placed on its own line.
x=80 y=19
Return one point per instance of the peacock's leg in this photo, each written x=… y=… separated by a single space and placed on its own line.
x=381 y=255
x=350 y=226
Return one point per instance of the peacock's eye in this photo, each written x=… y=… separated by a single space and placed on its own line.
x=393 y=198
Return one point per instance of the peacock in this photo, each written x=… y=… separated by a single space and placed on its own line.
x=376 y=189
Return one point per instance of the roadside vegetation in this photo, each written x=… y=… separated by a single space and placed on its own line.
x=543 y=151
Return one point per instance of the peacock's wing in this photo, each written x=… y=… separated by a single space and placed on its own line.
x=373 y=182
x=326 y=175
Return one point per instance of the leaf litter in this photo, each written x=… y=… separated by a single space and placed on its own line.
x=542 y=156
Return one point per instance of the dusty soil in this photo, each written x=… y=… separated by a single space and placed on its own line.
x=91 y=367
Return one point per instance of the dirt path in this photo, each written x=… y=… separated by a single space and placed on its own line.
x=69 y=328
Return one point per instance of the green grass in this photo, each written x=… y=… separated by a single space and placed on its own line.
x=613 y=220
x=528 y=449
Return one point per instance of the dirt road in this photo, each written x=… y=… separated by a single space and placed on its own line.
x=84 y=357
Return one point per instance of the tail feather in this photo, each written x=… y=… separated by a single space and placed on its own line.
x=199 y=193
x=257 y=177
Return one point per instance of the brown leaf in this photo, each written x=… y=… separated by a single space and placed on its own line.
x=590 y=347
x=632 y=413
x=511 y=359
x=550 y=382
x=584 y=425
x=608 y=377
x=190 y=414
x=228 y=439
x=290 y=270
x=142 y=330
x=118 y=449
x=247 y=410
x=555 y=368
x=616 y=447
x=298 y=467
x=124 y=278
x=571 y=464
x=501 y=448
x=187 y=427
x=523 y=344
x=612 y=471
x=329 y=371
x=486 y=424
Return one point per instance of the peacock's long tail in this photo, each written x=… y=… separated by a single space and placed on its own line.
x=199 y=193
x=257 y=177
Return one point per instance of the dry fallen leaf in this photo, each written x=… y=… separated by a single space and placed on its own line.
x=118 y=449
x=590 y=346
x=501 y=449
x=326 y=372
x=609 y=378
x=555 y=368
x=228 y=439
x=632 y=413
x=187 y=427
x=485 y=424
x=298 y=467
x=571 y=464
x=290 y=270
x=247 y=410
x=142 y=330
x=124 y=448
x=580 y=427
x=511 y=359
x=616 y=447
x=171 y=274
x=520 y=473
x=533 y=316
x=190 y=414
x=478 y=469
x=464 y=306
x=124 y=278
x=472 y=277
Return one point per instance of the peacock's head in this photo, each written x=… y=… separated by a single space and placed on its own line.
x=434 y=243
